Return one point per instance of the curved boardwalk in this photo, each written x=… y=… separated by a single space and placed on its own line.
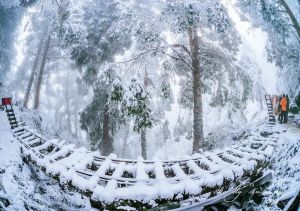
x=110 y=180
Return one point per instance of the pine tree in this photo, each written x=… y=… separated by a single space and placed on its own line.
x=279 y=20
x=103 y=39
x=206 y=56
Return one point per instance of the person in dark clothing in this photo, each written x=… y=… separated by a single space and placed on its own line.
x=279 y=109
x=287 y=107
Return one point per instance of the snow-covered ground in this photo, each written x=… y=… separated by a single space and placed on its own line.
x=286 y=167
x=27 y=188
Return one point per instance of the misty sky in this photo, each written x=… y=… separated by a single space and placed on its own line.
x=255 y=39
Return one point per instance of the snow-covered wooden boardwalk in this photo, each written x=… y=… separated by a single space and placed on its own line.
x=110 y=179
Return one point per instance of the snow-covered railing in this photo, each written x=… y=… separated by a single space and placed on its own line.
x=110 y=180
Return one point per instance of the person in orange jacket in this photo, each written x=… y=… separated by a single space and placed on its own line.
x=283 y=105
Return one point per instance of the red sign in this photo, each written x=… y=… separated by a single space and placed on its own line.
x=6 y=101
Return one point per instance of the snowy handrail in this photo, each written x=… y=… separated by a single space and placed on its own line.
x=190 y=174
x=109 y=179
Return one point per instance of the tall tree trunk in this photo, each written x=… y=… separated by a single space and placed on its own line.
x=143 y=130
x=67 y=95
x=125 y=144
x=76 y=129
x=41 y=73
x=288 y=10
x=33 y=70
x=106 y=146
x=144 y=143
x=197 y=90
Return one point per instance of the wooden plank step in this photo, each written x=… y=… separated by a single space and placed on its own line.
x=19 y=130
x=11 y=118
x=21 y=133
x=13 y=122
x=10 y=114
x=26 y=136
x=35 y=143
x=32 y=139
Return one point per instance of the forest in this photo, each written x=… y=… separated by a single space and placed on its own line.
x=151 y=80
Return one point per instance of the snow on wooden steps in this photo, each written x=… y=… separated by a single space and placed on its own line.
x=247 y=154
x=65 y=167
x=92 y=184
x=209 y=169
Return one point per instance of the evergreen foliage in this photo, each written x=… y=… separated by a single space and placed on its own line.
x=279 y=19
x=137 y=106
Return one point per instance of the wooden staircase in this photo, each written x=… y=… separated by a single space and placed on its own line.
x=7 y=103
x=271 y=116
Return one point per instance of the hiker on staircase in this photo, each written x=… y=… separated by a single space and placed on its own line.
x=283 y=113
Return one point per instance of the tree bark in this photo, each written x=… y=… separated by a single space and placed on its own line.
x=125 y=141
x=143 y=130
x=144 y=143
x=68 y=104
x=76 y=129
x=198 y=139
x=106 y=146
x=288 y=10
x=33 y=70
x=41 y=73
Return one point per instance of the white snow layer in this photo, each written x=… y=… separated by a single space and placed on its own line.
x=65 y=160
x=27 y=188
x=70 y=164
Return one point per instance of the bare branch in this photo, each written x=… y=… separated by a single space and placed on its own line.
x=155 y=50
x=177 y=46
x=291 y=15
x=183 y=47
